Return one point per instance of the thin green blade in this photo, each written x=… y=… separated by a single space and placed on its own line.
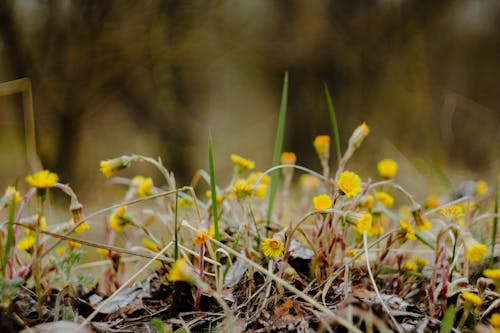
x=333 y=119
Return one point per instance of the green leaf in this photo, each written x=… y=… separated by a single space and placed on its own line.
x=278 y=147
x=448 y=320
x=176 y=228
x=333 y=119
x=495 y=224
x=213 y=189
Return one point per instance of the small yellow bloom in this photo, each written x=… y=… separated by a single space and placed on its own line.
x=481 y=187
x=421 y=262
x=201 y=237
x=406 y=230
x=472 y=298
x=103 y=252
x=180 y=271
x=453 y=212
x=367 y=201
x=322 y=145
x=82 y=227
x=308 y=182
x=322 y=201
x=260 y=191
x=495 y=320
x=359 y=134
x=72 y=245
x=492 y=273
x=351 y=253
x=242 y=164
x=385 y=199
x=143 y=185
x=26 y=243
x=410 y=266
x=349 y=184
x=218 y=198
x=241 y=189
x=150 y=245
x=272 y=247
x=288 y=158
x=376 y=228
x=364 y=223
x=43 y=225
x=431 y=202
x=258 y=177
x=42 y=179
x=110 y=167
x=387 y=168
x=12 y=193
x=211 y=231
x=119 y=219
x=421 y=223
x=474 y=251
x=184 y=202
x=60 y=251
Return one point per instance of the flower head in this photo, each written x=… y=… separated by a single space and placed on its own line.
x=150 y=245
x=431 y=202
x=359 y=134
x=288 y=158
x=493 y=274
x=322 y=145
x=387 y=168
x=481 y=187
x=410 y=266
x=180 y=271
x=308 y=182
x=119 y=219
x=42 y=179
x=200 y=237
x=377 y=227
x=363 y=223
x=60 y=251
x=406 y=230
x=421 y=223
x=82 y=227
x=472 y=298
x=495 y=320
x=421 y=262
x=72 y=245
x=218 y=198
x=110 y=167
x=385 y=199
x=349 y=184
x=103 y=252
x=272 y=247
x=367 y=201
x=11 y=194
x=242 y=164
x=453 y=212
x=474 y=251
x=41 y=220
x=26 y=243
x=322 y=201
x=143 y=185
x=241 y=189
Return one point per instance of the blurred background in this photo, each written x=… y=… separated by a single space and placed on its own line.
x=153 y=77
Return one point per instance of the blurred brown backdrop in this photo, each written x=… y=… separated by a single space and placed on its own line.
x=152 y=77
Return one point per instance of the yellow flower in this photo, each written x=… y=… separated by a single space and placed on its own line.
x=103 y=252
x=376 y=228
x=288 y=158
x=431 y=202
x=474 y=251
x=481 y=187
x=260 y=191
x=43 y=225
x=60 y=251
x=12 y=194
x=421 y=262
x=242 y=164
x=322 y=201
x=364 y=223
x=351 y=253
x=349 y=184
x=200 y=237
x=492 y=273
x=211 y=231
x=495 y=320
x=322 y=145
x=308 y=182
x=359 y=134
x=472 y=298
x=110 y=167
x=453 y=212
x=26 y=243
x=367 y=201
x=218 y=198
x=241 y=189
x=406 y=230
x=387 y=168
x=150 y=245
x=410 y=266
x=119 y=220
x=42 y=179
x=184 y=202
x=143 y=185
x=82 y=227
x=258 y=177
x=272 y=247
x=421 y=223
x=180 y=271
x=72 y=245
x=385 y=199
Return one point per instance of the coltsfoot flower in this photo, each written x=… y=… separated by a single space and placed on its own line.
x=110 y=167
x=288 y=158
x=200 y=237
x=322 y=146
x=410 y=266
x=387 y=168
x=218 y=198
x=143 y=185
x=385 y=199
x=308 y=182
x=481 y=187
x=322 y=201
x=495 y=321
x=82 y=227
x=42 y=179
x=376 y=228
x=363 y=223
x=472 y=298
x=150 y=245
x=474 y=251
x=492 y=273
x=72 y=245
x=359 y=134
x=242 y=164
x=349 y=184
x=406 y=230
x=26 y=244
x=119 y=219
x=272 y=247
x=11 y=194
x=421 y=223
x=180 y=272
x=241 y=189
x=421 y=262
x=454 y=212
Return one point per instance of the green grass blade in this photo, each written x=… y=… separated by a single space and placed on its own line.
x=213 y=189
x=10 y=234
x=333 y=119
x=278 y=147
x=495 y=224
x=176 y=228
x=448 y=320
